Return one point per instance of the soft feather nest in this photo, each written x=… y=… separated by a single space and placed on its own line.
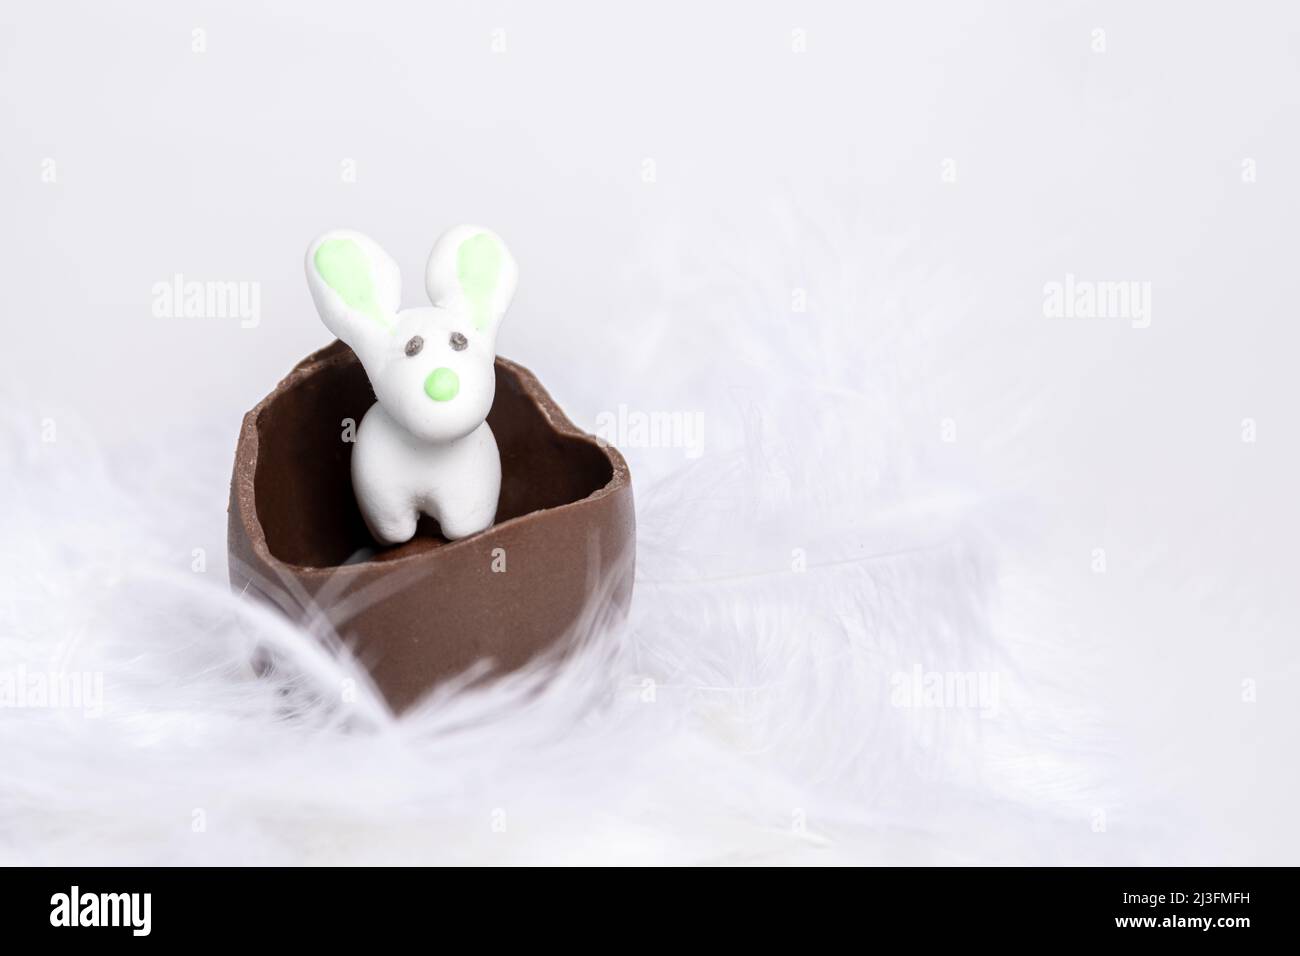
x=796 y=584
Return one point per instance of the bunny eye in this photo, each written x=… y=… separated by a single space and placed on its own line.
x=413 y=345
x=459 y=342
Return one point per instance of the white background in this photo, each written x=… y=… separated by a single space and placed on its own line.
x=825 y=167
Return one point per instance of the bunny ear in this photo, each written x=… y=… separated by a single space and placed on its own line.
x=356 y=286
x=471 y=271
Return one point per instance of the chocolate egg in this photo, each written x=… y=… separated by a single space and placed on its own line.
x=562 y=545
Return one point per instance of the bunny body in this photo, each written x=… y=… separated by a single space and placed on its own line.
x=397 y=478
x=425 y=446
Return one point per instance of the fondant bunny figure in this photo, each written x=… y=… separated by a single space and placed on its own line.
x=425 y=445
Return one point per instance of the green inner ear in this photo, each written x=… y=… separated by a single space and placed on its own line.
x=343 y=264
x=478 y=267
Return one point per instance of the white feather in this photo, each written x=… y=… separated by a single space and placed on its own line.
x=820 y=545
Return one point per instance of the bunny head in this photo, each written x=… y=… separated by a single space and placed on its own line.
x=431 y=368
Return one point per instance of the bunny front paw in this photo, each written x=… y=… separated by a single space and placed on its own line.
x=391 y=527
x=457 y=526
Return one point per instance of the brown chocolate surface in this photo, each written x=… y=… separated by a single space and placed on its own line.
x=426 y=610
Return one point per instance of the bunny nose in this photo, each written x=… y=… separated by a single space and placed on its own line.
x=442 y=385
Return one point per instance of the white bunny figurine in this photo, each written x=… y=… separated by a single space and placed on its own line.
x=425 y=445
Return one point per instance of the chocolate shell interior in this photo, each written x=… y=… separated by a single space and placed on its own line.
x=303 y=481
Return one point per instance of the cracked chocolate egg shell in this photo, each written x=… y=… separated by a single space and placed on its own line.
x=559 y=554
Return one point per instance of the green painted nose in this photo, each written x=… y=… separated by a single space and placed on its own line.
x=442 y=385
